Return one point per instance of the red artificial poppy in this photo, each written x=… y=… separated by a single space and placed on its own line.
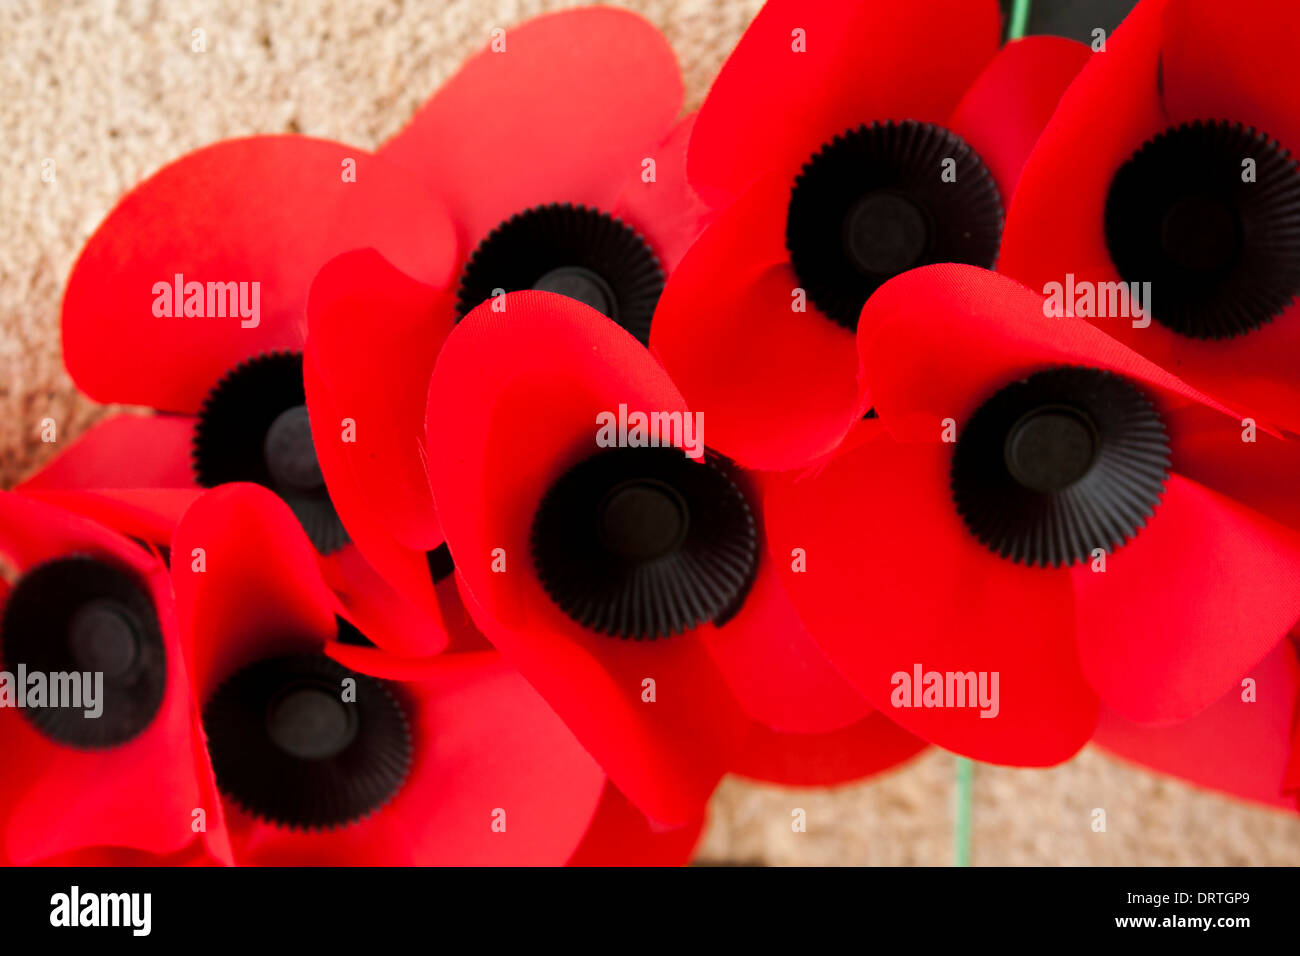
x=627 y=581
x=191 y=298
x=329 y=751
x=1040 y=506
x=1167 y=180
x=596 y=206
x=1246 y=744
x=78 y=787
x=849 y=141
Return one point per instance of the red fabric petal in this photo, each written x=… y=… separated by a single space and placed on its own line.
x=486 y=743
x=566 y=112
x=377 y=377
x=777 y=672
x=500 y=454
x=1188 y=606
x=1210 y=449
x=771 y=106
x=268 y=209
x=404 y=570
x=777 y=387
x=881 y=512
x=138 y=795
x=992 y=331
x=1234 y=62
x=621 y=835
x=385 y=615
x=870 y=746
x=1003 y=113
x=258 y=591
x=1236 y=746
x=666 y=211
x=123 y=451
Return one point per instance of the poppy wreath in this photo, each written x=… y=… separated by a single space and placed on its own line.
x=845 y=143
x=1179 y=150
x=1047 y=509
x=454 y=760
x=402 y=445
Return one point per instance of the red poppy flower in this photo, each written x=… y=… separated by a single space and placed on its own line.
x=629 y=584
x=596 y=207
x=1039 y=503
x=1246 y=744
x=1181 y=191
x=76 y=786
x=190 y=298
x=851 y=141
x=329 y=751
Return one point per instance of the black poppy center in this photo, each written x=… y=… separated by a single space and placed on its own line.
x=1208 y=213
x=572 y=250
x=1051 y=448
x=1056 y=465
x=881 y=199
x=645 y=543
x=104 y=635
x=583 y=285
x=254 y=427
x=643 y=519
x=310 y=722
x=78 y=619
x=303 y=741
x=885 y=233
x=290 y=453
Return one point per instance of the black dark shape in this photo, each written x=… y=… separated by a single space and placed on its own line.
x=572 y=250
x=645 y=543
x=254 y=427
x=290 y=749
x=348 y=633
x=441 y=566
x=1222 y=255
x=1060 y=463
x=78 y=614
x=875 y=202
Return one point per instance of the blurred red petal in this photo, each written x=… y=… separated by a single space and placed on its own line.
x=564 y=112
x=269 y=210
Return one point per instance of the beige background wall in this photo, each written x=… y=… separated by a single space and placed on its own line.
x=110 y=90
